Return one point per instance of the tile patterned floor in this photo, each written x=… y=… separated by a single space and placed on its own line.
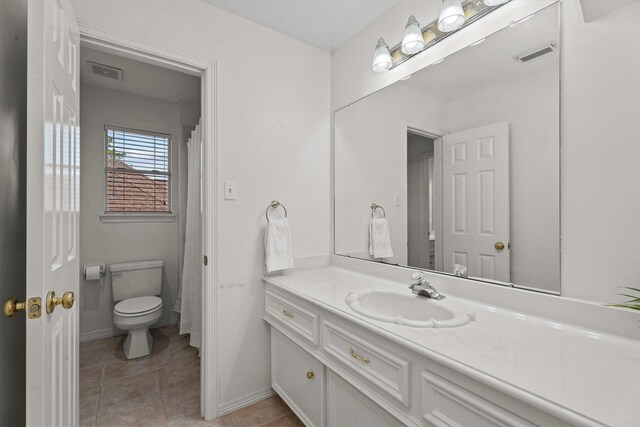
x=162 y=389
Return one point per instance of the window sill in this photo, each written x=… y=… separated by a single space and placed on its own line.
x=121 y=218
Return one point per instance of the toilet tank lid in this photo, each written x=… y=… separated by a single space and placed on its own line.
x=137 y=265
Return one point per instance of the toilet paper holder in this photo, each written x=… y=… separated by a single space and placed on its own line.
x=102 y=270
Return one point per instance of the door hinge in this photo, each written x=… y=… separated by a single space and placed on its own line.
x=206 y=260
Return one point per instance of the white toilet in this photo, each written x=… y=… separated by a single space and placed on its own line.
x=136 y=286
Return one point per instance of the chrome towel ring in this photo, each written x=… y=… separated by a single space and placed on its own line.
x=373 y=210
x=275 y=205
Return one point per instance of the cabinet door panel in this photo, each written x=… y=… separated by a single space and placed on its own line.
x=298 y=378
x=347 y=407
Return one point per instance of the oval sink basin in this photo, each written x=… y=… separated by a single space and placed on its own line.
x=410 y=309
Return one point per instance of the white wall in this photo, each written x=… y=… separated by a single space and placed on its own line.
x=530 y=105
x=600 y=153
x=110 y=243
x=600 y=178
x=273 y=138
x=371 y=163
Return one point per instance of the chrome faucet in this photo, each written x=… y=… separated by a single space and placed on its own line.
x=423 y=288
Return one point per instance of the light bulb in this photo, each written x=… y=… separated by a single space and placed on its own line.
x=451 y=16
x=381 y=57
x=412 y=41
x=494 y=2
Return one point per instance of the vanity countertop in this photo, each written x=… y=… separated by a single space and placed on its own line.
x=552 y=365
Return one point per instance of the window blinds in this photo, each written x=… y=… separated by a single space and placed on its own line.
x=137 y=171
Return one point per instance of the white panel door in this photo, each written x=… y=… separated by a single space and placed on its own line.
x=53 y=164
x=475 y=205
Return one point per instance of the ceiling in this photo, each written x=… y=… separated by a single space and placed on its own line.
x=326 y=24
x=493 y=61
x=140 y=78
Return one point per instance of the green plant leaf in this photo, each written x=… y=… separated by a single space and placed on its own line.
x=633 y=307
x=633 y=303
x=633 y=297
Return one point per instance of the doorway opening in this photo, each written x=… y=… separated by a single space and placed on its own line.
x=421 y=240
x=142 y=201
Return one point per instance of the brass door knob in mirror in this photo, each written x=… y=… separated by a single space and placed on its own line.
x=499 y=246
x=66 y=300
x=310 y=375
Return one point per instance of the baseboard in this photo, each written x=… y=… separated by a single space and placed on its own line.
x=247 y=400
x=112 y=332
x=97 y=335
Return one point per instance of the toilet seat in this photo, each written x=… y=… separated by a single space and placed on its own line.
x=136 y=307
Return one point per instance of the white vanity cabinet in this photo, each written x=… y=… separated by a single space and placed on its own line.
x=334 y=372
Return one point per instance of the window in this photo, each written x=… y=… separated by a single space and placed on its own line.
x=137 y=171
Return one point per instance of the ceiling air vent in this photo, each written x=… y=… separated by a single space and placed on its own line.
x=104 y=70
x=528 y=56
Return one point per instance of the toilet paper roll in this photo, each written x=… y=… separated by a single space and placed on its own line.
x=92 y=272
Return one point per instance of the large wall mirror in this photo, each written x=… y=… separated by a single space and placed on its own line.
x=462 y=160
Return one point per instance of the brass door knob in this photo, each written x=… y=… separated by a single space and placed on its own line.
x=499 y=246
x=310 y=375
x=13 y=306
x=66 y=300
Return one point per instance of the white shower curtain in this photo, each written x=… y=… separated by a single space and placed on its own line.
x=189 y=302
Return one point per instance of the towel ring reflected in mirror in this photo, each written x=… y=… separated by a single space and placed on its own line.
x=275 y=205
x=373 y=210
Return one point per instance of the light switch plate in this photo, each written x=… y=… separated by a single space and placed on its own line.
x=230 y=190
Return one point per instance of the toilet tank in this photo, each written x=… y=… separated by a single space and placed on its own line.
x=136 y=279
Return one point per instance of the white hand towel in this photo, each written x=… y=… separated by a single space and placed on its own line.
x=379 y=238
x=277 y=245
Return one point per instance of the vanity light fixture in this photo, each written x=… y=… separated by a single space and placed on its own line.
x=451 y=16
x=381 y=57
x=455 y=14
x=412 y=42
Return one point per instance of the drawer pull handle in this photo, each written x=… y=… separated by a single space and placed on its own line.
x=357 y=356
x=287 y=313
x=310 y=375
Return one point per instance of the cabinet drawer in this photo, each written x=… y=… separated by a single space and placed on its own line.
x=347 y=407
x=447 y=404
x=298 y=378
x=388 y=371
x=300 y=320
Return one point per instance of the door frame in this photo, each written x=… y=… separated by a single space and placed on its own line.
x=425 y=244
x=123 y=44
